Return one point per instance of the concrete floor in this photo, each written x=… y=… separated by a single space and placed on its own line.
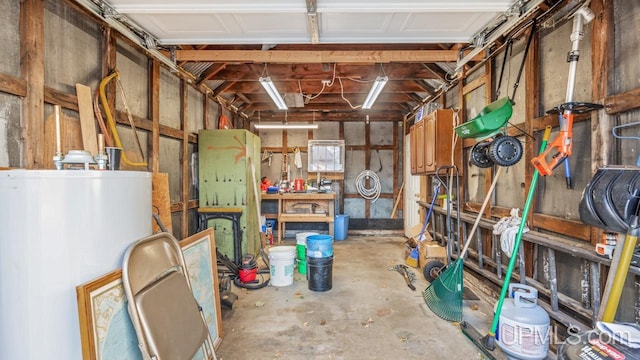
x=369 y=313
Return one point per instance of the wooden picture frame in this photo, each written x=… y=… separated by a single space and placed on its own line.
x=106 y=330
x=203 y=271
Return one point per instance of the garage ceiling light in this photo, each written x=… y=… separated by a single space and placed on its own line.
x=376 y=89
x=268 y=85
x=274 y=126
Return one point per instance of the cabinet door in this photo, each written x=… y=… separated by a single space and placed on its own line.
x=413 y=149
x=444 y=135
x=420 y=145
x=430 y=145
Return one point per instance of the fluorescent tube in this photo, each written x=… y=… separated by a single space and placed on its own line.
x=376 y=89
x=268 y=85
x=264 y=126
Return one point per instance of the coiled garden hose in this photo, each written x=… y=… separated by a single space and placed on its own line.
x=371 y=192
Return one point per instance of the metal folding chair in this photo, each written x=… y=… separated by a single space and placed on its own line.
x=168 y=321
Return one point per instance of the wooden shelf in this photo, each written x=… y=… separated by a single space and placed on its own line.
x=305 y=218
x=290 y=200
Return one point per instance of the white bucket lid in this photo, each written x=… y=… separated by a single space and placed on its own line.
x=301 y=238
x=282 y=252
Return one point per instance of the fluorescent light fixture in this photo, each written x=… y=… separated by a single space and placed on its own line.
x=376 y=89
x=268 y=85
x=266 y=126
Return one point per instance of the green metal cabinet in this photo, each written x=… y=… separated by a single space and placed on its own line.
x=226 y=180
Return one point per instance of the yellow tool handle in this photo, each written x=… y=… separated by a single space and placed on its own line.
x=111 y=122
x=619 y=279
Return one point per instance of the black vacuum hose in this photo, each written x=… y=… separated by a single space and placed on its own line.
x=233 y=270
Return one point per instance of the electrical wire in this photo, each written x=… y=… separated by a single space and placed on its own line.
x=333 y=79
x=311 y=97
x=330 y=84
x=344 y=98
x=373 y=191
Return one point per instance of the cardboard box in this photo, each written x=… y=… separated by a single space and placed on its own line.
x=430 y=250
x=414 y=233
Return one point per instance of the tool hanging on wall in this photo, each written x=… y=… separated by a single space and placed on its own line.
x=563 y=142
x=103 y=126
x=611 y=201
x=397 y=202
x=615 y=131
x=495 y=145
x=266 y=156
x=297 y=160
x=224 y=122
x=285 y=167
x=112 y=123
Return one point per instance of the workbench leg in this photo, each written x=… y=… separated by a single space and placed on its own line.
x=284 y=230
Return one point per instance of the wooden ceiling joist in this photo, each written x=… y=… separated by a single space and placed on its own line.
x=211 y=72
x=336 y=106
x=306 y=57
x=222 y=88
x=308 y=116
x=315 y=87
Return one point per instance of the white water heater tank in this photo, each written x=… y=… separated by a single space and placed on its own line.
x=60 y=229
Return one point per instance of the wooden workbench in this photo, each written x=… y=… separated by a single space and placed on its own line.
x=303 y=207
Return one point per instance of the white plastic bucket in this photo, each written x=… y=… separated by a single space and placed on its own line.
x=282 y=262
x=301 y=245
x=301 y=238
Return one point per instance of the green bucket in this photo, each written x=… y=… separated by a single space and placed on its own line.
x=302 y=266
x=301 y=244
x=301 y=250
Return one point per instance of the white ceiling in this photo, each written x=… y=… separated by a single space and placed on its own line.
x=285 y=21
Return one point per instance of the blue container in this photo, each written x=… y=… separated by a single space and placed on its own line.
x=340 y=226
x=271 y=223
x=319 y=246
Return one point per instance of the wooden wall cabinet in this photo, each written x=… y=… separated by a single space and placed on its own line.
x=431 y=143
x=416 y=136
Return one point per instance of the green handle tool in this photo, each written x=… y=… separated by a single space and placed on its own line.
x=489 y=340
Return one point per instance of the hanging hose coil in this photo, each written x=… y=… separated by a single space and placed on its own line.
x=373 y=191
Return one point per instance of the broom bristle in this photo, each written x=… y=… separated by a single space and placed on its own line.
x=444 y=294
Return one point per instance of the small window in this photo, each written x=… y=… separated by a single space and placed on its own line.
x=326 y=156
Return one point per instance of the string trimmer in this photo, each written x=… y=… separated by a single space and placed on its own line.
x=563 y=143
